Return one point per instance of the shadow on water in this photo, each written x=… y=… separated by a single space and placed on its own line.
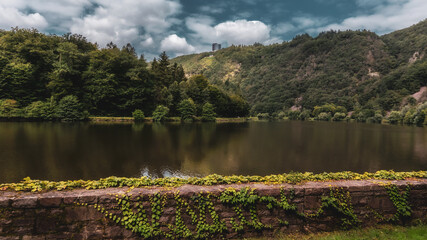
x=56 y=151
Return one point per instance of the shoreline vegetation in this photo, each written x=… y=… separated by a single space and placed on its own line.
x=29 y=185
x=67 y=78
x=122 y=120
x=168 y=119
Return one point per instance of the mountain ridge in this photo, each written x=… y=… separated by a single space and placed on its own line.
x=347 y=68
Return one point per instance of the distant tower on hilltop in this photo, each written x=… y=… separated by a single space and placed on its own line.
x=216 y=47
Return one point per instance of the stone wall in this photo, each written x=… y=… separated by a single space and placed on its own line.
x=92 y=214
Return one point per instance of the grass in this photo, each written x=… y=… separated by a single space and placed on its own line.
x=380 y=232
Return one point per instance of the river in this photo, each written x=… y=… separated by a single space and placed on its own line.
x=61 y=151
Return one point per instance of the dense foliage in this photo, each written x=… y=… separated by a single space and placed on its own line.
x=208 y=113
x=364 y=73
x=292 y=178
x=159 y=115
x=38 y=72
x=138 y=115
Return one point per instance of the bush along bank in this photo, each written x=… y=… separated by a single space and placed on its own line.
x=410 y=114
x=217 y=212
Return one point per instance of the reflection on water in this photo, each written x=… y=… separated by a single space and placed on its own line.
x=56 y=151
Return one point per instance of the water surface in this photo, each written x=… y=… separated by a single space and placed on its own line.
x=58 y=151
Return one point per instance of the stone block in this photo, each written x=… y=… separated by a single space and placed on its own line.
x=312 y=202
x=4 y=202
x=46 y=224
x=70 y=200
x=88 y=199
x=50 y=202
x=73 y=214
x=315 y=191
x=113 y=231
x=27 y=202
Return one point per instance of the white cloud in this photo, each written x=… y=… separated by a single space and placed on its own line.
x=232 y=32
x=175 y=44
x=387 y=16
x=12 y=17
x=243 y=32
x=123 y=21
x=57 y=14
x=144 y=23
x=148 y=42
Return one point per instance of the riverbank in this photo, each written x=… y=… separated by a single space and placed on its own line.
x=196 y=120
x=230 y=211
x=169 y=119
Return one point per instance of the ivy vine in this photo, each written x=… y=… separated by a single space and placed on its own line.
x=206 y=222
x=400 y=201
x=340 y=201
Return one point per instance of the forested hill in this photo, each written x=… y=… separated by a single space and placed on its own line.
x=51 y=77
x=354 y=69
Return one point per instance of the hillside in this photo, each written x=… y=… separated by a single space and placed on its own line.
x=348 y=68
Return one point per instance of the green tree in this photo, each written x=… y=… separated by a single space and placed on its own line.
x=339 y=116
x=8 y=107
x=160 y=113
x=324 y=116
x=69 y=109
x=138 y=115
x=41 y=110
x=187 y=109
x=66 y=77
x=293 y=115
x=15 y=81
x=395 y=117
x=208 y=113
x=305 y=115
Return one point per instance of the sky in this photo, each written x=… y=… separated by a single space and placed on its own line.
x=191 y=26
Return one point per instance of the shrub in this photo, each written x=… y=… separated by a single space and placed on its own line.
x=281 y=115
x=187 y=109
x=8 y=107
x=69 y=109
x=340 y=109
x=324 y=116
x=138 y=115
x=160 y=113
x=293 y=115
x=264 y=116
x=339 y=116
x=208 y=113
x=409 y=116
x=364 y=114
x=304 y=115
x=328 y=108
x=395 y=117
x=377 y=118
x=39 y=109
x=420 y=114
x=411 y=101
x=420 y=118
